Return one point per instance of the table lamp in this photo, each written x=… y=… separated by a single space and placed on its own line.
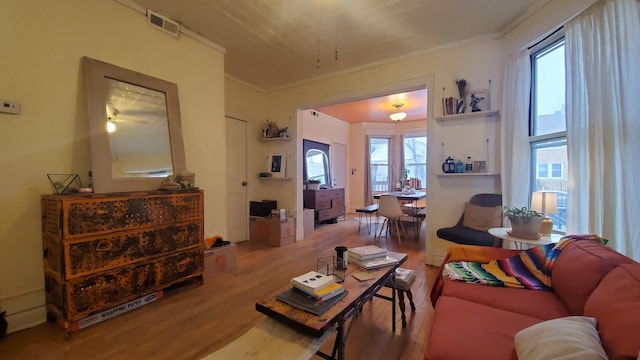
x=545 y=203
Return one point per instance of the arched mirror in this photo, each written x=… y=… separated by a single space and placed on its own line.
x=317 y=166
x=136 y=134
x=316 y=162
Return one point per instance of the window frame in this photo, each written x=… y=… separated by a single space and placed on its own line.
x=389 y=140
x=537 y=142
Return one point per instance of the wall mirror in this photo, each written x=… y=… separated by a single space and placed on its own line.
x=135 y=128
x=316 y=162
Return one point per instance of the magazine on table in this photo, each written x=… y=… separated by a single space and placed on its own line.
x=325 y=293
x=375 y=263
x=294 y=298
x=366 y=252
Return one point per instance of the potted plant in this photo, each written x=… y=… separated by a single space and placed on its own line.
x=524 y=222
x=313 y=184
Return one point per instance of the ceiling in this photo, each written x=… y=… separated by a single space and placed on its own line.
x=273 y=43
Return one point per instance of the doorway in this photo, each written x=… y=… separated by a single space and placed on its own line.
x=237 y=215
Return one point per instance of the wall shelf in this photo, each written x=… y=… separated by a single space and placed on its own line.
x=469 y=115
x=282 y=138
x=468 y=174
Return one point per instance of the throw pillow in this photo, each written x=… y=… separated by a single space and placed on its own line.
x=568 y=338
x=481 y=217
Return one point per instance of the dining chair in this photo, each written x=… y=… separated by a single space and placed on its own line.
x=389 y=207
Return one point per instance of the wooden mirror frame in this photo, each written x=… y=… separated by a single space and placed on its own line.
x=96 y=74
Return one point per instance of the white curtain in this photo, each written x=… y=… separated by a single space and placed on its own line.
x=603 y=123
x=515 y=149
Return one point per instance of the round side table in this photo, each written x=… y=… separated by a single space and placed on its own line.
x=520 y=242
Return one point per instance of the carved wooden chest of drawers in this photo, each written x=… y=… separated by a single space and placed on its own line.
x=102 y=250
x=327 y=203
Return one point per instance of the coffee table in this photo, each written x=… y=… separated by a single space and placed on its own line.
x=520 y=242
x=358 y=294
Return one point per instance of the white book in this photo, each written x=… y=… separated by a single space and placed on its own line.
x=375 y=263
x=312 y=281
x=367 y=252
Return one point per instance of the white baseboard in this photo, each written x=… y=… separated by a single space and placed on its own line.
x=24 y=310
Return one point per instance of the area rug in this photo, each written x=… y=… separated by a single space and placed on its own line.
x=270 y=340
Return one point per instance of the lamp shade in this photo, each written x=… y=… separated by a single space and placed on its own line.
x=544 y=202
x=398 y=116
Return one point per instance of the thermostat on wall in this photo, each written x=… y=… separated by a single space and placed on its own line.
x=9 y=107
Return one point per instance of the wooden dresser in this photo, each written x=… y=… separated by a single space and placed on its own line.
x=104 y=250
x=327 y=203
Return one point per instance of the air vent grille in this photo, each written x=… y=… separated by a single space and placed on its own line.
x=163 y=23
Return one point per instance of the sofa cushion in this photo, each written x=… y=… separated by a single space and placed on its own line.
x=569 y=338
x=578 y=270
x=466 y=330
x=616 y=305
x=543 y=305
x=482 y=218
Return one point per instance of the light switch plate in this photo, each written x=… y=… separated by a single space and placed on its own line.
x=9 y=107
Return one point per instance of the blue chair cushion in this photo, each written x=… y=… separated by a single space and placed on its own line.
x=466 y=236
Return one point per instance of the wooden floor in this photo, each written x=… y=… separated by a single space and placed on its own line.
x=192 y=322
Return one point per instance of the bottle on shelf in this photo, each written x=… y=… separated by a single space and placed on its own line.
x=459 y=167
x=469 y=165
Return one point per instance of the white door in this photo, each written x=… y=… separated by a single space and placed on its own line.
x=237 y=215
x=339 y=165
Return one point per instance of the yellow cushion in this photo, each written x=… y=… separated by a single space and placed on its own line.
x=482 y=218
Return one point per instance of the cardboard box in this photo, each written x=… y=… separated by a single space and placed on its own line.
x=219 y=260
x=308 y=216
x=272 y=231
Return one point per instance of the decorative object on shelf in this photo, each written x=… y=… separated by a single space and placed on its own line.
x=461 y=84
x=449 y=166
x=277 y=163
x=468 y=166
x=398 y=115
x=65 y=183
x=271 y=130
x=459 y=166
x=545 y=203
x=525 y=223
x=479 y=100
x=479 y=166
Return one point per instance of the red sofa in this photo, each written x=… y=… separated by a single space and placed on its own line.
x=473 y=321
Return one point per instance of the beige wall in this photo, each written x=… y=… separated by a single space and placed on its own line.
x=475 y=61
x=44 y=42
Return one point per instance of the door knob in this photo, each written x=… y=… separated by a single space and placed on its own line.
x=244 y=183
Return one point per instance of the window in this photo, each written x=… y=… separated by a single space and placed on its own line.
x=379 y=159
x=415 y=157
x=547 y=135
x=546 y=170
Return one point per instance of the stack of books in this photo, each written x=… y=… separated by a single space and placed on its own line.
x=313 y=292
x=317 y=286
x=404 y=277
x=370 y=257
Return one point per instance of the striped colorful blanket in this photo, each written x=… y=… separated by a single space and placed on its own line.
x=529 y=269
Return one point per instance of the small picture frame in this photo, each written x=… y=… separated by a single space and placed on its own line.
x=480 y=166
x=482 y=102
x=277 y=164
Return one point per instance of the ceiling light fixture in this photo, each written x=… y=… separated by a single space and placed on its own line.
x=398 y=115
x=111 y=126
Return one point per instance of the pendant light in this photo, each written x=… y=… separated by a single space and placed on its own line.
x=398 y=115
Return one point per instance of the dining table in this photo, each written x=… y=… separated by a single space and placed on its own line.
x=411 y=196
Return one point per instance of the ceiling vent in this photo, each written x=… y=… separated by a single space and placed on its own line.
x=163 y=23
